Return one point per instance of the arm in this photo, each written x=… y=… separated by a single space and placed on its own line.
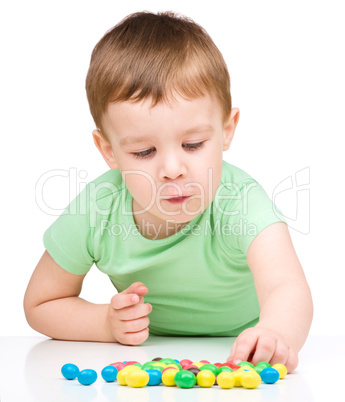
x=53 y=307
x=285 y=301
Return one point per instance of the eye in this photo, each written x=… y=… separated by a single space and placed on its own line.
x=144 y=154
x=194 y=146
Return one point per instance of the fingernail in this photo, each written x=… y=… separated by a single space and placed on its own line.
x=135 y=298
x=141 y=288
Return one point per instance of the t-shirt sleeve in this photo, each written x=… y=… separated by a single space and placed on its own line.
x=69 y=239
x=248 y=211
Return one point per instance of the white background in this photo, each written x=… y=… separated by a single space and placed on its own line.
x=286 y=63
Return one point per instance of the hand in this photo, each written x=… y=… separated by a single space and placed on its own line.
x=127 y=315
x=259 y=344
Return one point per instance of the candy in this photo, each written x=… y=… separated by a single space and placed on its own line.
x=194 y=370
x=185 y=362
x=137 y=378
x=183 y=373
x=87 y=377
x=155 y=377
x=241 y=364
x=226 y=380
x=70 y=371
x=210 y=367
x=121 y=375
x=168 y=377
x=281 y=369
x=205 y=378
x=250 y=379
x=269 y=375
x=185 y=379
x=224 y=368
x=118 y=365
x=109 y=373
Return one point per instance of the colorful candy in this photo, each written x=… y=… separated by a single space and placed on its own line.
x=205 y=378
x=269 y=375
x=185 y=379
x=87 y=377
x=109 y=373
x=137 y=378
x=70 y=371
x=183 y=373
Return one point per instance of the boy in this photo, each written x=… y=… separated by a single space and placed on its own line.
x=184 y=237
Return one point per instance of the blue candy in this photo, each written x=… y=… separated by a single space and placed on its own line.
x=269 y=375
x=155 y=377
x=70 y=371
x=87 y=377
x=109 y=373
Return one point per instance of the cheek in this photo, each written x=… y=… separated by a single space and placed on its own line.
x=141 y=185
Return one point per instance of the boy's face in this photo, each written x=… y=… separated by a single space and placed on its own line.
x=170 y=157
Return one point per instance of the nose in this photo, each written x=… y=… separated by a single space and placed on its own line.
x=172 y=166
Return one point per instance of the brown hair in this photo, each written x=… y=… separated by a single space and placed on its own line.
x=155 y=56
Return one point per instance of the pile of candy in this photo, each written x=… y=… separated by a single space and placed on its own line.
x=183 y=373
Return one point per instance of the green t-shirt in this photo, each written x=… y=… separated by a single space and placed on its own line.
x=198 y=279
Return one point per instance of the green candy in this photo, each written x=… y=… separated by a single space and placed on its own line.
x=241 y=364
x=167 y=361
x=209 y=367
x=264 y=364
x=260 y=366
x=224 y=368
x=185 y=379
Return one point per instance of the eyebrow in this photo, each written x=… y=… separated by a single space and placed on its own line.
x=134 y=139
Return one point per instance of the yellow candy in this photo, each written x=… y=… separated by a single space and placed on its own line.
x=281 y=369
x=173 y=366
x=238 y=377
x=168 y=377
x=159 y=364
x=225 y=379
x=137 y=379
x=121 y=375
x=205 y=378
x=198 y=364
x=250 y=379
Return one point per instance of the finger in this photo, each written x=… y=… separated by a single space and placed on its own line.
x=132 y=295
x=265 y=349
x=243 y=346
x=292 y=361
x=135 y=325
x=134 y=312
x=280 y=354
x=138 y=287
x=134 y=338
x=120 y=300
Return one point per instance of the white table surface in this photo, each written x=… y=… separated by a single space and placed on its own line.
x=30 y=371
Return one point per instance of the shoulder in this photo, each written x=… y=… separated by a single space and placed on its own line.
x=233 y=175
x=108 y=184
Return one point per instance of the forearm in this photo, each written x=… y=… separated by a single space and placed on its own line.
x=288 y=309
x=71 y=318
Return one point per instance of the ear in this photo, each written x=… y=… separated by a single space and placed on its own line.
x=229 y=128
x=104 y=147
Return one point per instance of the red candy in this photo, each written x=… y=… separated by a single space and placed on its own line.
x=185 y=362
x=130 y=363
x=118 y=365
x=231 y=364
x=204 y=361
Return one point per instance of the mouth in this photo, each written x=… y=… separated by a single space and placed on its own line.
x=176 y=200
